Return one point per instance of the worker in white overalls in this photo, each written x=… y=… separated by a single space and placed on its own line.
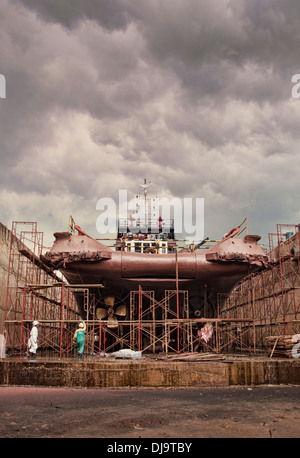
x=33 y=340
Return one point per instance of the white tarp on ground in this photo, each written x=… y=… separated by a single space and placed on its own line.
x=127 y=353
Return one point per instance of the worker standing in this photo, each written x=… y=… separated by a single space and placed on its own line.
x=78 y=338
x=33 y=340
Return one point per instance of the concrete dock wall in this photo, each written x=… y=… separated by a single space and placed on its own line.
x=149 y=374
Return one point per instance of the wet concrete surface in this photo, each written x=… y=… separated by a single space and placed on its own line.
x=147 y=372
x=229 y=412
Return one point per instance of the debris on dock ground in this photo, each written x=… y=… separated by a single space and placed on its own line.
x=281 y=346
x=195 y=357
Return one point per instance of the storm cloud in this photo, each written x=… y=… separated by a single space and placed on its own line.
x=192 y=95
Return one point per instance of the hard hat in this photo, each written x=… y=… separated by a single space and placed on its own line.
x=81 y=325
x=35 y=323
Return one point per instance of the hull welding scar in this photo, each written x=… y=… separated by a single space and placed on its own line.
x=84 y=260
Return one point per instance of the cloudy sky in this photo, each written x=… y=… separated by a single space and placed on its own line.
x=193 y=95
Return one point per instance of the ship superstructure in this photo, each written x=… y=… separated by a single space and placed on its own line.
x=145 y=231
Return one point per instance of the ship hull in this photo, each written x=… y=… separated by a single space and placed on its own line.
x=84 y=260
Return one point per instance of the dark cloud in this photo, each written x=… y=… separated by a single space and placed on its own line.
x=109 y=14
x=194 y=95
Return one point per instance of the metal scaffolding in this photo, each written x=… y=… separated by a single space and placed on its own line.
x=262 y=305
x=34 y=292
x=271 y=297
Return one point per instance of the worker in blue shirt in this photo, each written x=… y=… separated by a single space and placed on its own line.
x=78 y=338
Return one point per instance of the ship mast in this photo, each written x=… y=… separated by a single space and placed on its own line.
x=145 y=186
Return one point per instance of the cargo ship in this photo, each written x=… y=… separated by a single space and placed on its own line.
x=147 y=257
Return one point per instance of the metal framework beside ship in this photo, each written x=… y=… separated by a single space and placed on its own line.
x=251 y=313
x=174 y=333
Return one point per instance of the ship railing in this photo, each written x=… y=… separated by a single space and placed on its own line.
x=149 y=226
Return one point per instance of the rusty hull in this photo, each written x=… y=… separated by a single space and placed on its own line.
x=84 y=260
